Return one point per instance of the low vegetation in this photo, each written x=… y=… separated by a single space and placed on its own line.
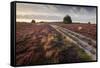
x=41 y=44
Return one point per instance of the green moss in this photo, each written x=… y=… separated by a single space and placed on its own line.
x=83 y=55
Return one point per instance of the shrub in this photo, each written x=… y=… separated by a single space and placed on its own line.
x=67 y=19
x=41 y=22
x=89 y=22
x=33 y=21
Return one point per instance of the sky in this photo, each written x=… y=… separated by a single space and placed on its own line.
x=54 y=13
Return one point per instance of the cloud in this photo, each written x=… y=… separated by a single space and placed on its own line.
x=55 y=12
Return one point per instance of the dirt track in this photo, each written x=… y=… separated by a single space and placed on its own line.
x=87 y=44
